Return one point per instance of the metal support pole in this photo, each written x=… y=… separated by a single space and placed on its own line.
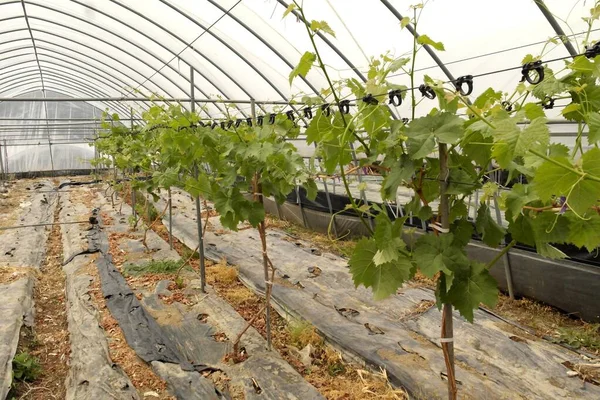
x=170 y=220
x=1 y=164
x=198 y=209
x=505 y=259
x=561 y=34
x=6 y=171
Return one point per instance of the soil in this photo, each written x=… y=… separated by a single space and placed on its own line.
x=332 y=376
x=50 y=338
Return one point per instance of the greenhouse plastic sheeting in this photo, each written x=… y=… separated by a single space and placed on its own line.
x=28 y=129
x=244 y=49
x=239 y=50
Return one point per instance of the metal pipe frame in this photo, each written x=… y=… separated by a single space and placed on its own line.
x=71 y=59
x=557 y=28
x=83 y=87
x=138 y=46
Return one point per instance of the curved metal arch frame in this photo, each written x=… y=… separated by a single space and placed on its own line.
x=217 y=87
x=73 y=79
x=189 y=80
x=73 y=94
x=214 y=35
x=112 y=106
x=177 y=9
x=74 y=84
x=86 y=46
x=71 y=58
x=97 y=79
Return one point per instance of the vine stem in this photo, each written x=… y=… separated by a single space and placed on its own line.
x=346 y=125
x=580 y=173
x=324 y=69
x=447 y=322
x=500 y=254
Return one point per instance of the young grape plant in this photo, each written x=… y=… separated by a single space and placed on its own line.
x=234 y=168
x=443 y=158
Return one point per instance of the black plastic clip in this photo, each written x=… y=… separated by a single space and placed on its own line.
x=290 y=115
x=427 y=91
x=405 y=121
x=272 y=118
x=548 y=103
x=259 y=120
x=229 y=123
x=202 y=124
x=213 y=125
x=345 y=106
x=249 y=121
x=238 y=122
x=535 y=66
x=507 y=106
x=326 y=109
x=370 y=100
x=468 y=80
x=223 y=125
x=308 y=113
x=396 y=97
x=592 y=51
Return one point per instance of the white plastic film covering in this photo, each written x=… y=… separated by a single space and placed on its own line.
x=244 y=49
x=28 y=130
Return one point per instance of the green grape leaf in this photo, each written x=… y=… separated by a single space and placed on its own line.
x=458 y=210
x=311 y=189
x=584 y=232
x=446 y=127
x=462 y=231
x=425 y=213
x=491 y=233
x=571 y=108
x=593 y=122
x=460 y=182
x=424 y=39
x=533 y=111
x=318 y=127
x=400 y=172
x=321 y=26
x=388 y=239
x=549 y=251
x=512 y=143
x=404 y=22
x=519 y=196
x=288 y=10
x=490 y=96
x=472 y=286
x=552 y=179
x=305 y=64
x=384 y=279
x=398 y=63
x=521 y=230
x=433 y=254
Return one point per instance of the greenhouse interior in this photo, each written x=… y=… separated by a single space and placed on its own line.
x=304 y=199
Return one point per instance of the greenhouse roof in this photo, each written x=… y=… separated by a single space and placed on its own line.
x=244 y=49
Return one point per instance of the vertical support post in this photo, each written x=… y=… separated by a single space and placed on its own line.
x=447 y=322
x=505 y=259
x=170 y=220
x=198 y=207
x=1 y=164
x=6 y=171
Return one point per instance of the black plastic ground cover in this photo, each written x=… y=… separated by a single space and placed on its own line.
x=339 y=204
x=142 y=332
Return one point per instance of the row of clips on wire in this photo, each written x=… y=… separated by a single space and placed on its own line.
x=532 y=72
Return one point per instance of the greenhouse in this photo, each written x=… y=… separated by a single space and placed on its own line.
x=305 y=199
